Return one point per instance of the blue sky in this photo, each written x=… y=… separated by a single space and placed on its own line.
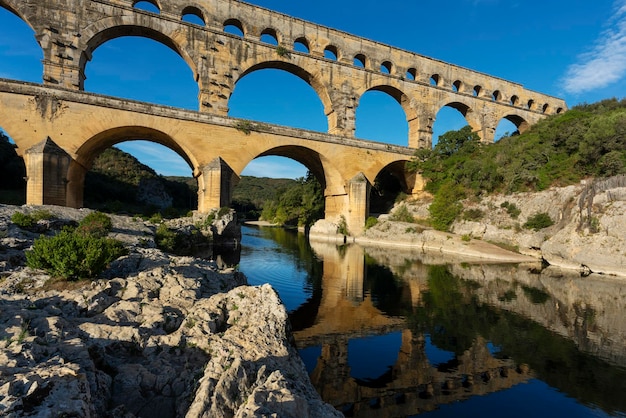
x=575 y=50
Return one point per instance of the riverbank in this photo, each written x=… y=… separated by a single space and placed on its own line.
x=587 y=234
x=157 y=335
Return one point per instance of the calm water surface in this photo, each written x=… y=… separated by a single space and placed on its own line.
x=393 y=334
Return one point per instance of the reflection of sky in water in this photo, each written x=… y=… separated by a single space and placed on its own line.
x=371 y=357
x=436 y=355
x=264 y=261
x=310 y=355
x=531 y=399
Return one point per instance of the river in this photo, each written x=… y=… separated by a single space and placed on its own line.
x=386 y=333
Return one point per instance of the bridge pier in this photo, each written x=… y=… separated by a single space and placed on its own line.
x=215 y=185
x=47 y=166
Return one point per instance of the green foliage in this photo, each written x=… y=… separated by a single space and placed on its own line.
x=445 y=207
x=223 y=211
x=96 y=224
x=342 y=227
x=473 y=214
x=252 y=193
x=402 y=214
x=73 y=256
x=511 y=209
x=244 y=126
x=539 y=221
x=299 y=205
x=167 y=239
x=28 y=221
x=22 y=220
x=281 y=51
x=371 y=222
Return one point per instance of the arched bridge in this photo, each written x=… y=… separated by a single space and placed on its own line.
x=230 y=40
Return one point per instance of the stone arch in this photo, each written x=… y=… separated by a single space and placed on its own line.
x=403 y=100
x=304 y=42
x=522 y=124
x=273 y=34
x=465 y=110
x=114 y=27
x=387 y=66
x=155 y=3
x=92 y=147
x=196 y=11
x=17 y=12
x=360 y=60
x=312 y=80
x=331 y=52
x=235 y=23
x=458 y=86
x=388 y=183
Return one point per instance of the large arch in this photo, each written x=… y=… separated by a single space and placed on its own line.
x=278 y=97
x=449 y=121
x=23 y=54
x=403 y=100
x=92 y=147
x=522 y=124
x=390 y=181
x=312 y=80
x=111 y=28
x=12 y=172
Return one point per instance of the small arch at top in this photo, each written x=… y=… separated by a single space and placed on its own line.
x=360 y=60
x=476 y=91
x=269 y=36
x=192 y=14
x=331 y=52
x=147 y=6
x=411 y=74
x=457 y=86
x=435 y=79
x=234 y=27
x=301 y=44
x=386 y=67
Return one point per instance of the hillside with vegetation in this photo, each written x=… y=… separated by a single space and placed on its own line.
x=587 y=141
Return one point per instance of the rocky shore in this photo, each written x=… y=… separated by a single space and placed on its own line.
x=588 y=234
x=157 y=336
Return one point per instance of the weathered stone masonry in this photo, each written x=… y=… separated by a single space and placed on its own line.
x=340 y=67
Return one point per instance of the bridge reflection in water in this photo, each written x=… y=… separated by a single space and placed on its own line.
x=458 y=330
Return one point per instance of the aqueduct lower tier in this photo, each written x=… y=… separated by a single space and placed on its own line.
x=339 y=66
x=60 y=132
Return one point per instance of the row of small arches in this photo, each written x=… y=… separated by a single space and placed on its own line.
x=194 y=15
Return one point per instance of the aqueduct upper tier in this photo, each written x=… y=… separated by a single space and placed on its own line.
x=340 y=67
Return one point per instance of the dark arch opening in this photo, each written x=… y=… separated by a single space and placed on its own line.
x=147 y=74
x=386 y=67
x=302 y=180
x=147 y=6
x=451 y=117
x=301 y=45
x=435 y=79
x=234 y=27
x=530 y=105
x=135 y=169
x=511 y=125
x=389 y=185
x=269 y=36
x=496 y=96
x=411 y=74
x=514 y=100
x=331 y=52
x=193 y=15
x=23 y=56
x=457 y=86
x=380 y=116
x=12 y=172
x=545 y=108
x=476 y=91
x=359 y=60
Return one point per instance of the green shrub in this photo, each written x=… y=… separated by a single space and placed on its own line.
x=223 y=211
x=473 y=215
x=539 y=221
x=370 y=222
x=73 y=256
x=342 y=227
x=95 y=224
x=511 y=209
x=157 y=218
x=402 y=214
x=166 y=239
x=446 y=206
x=22 y=220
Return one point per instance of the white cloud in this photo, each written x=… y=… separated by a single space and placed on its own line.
x=605 y=64
x=275 y=167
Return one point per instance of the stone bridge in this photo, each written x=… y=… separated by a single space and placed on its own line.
x=232 y=40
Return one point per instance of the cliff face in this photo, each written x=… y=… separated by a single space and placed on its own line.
x=157 y=336
x=589 y=231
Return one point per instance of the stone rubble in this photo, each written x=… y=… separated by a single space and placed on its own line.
x=157 y=336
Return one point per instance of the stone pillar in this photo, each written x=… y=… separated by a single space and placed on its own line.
x=421 y=128
x=76 y=185
x=358 y=203
x=215 y=184
x=47 y=166
x=62 y=56
x=342 y=114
